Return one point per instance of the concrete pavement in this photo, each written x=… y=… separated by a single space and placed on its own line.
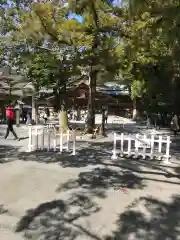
x=88 y=196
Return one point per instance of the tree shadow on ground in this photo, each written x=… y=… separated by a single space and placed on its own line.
x=99 y=180
x=61 y=219
x=157 y=220
x=94 y=154
x=8 y=153
x=175 y=146
x=1 y=134
x=58 y=219
x=100 y=153
x=3 y=210
x=64 y=219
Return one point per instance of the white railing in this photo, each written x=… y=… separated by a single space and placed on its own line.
x=56 y=123
x=142 y=145
x=50 y=139
x=118 y=121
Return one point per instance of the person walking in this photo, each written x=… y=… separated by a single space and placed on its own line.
x=106 y=115
x=174 y=124
x=148 y=122
x=45 y=117
x=28 y=119
x=10 y=117
x=158 y=121
x=46 y=114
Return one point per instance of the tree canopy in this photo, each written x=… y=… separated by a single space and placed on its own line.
x=135 y=42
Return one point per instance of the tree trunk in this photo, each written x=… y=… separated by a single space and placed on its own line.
x=36 y=113
x=134 y=115
x=102 y=129
x=33 y=108
x=61 y=108
x=9 y=97
x=174 y=97
x=63 y=117
x=63 y=120
x=90 y=124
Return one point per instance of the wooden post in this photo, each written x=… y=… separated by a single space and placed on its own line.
x=136 y=145
x=167 y=156
x=114 y=156
x=61 y=140
x=144 y=147
x=152 y=146
x=54 y=139
x=122 y=144
x=36 y=137
x=74 y=142
x=160 y=148
x=30 y=140
x=49 y=139
x=68 y=138
x=129 y=145
x=42 y=140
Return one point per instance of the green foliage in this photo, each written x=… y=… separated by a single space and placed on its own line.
x=137 y=43
x=137 y=89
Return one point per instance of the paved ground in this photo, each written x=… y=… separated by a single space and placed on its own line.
x=89 y=196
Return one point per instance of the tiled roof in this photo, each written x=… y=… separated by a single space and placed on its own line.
x=15 y=82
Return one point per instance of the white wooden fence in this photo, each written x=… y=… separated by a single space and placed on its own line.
x=49 y=139
x=119 y=122
x=152 y=146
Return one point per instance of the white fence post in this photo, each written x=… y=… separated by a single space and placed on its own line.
x=49 y=139
x=160 y=148
x=122 y=143
x=136 y=145
x=42 y=140
x=152 y=146
x=30 y=140
x=129 y=145
x=167 y=156
x=144 y=146
x=61 y=140
x=114 y=156
x=74 y=142
x=36 y=137
x=68 y=138
x=54 y=139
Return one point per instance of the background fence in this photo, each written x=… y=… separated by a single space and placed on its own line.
x=152 y=146
x=50 y=139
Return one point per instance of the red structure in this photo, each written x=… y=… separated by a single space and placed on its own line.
x=78 y=97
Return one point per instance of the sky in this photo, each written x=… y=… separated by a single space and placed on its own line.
x=80 y=18
x=72 y=15
x=77 y=17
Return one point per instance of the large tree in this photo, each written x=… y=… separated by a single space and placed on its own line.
x=158 y=36
x=99 y=31
x=40 y=50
